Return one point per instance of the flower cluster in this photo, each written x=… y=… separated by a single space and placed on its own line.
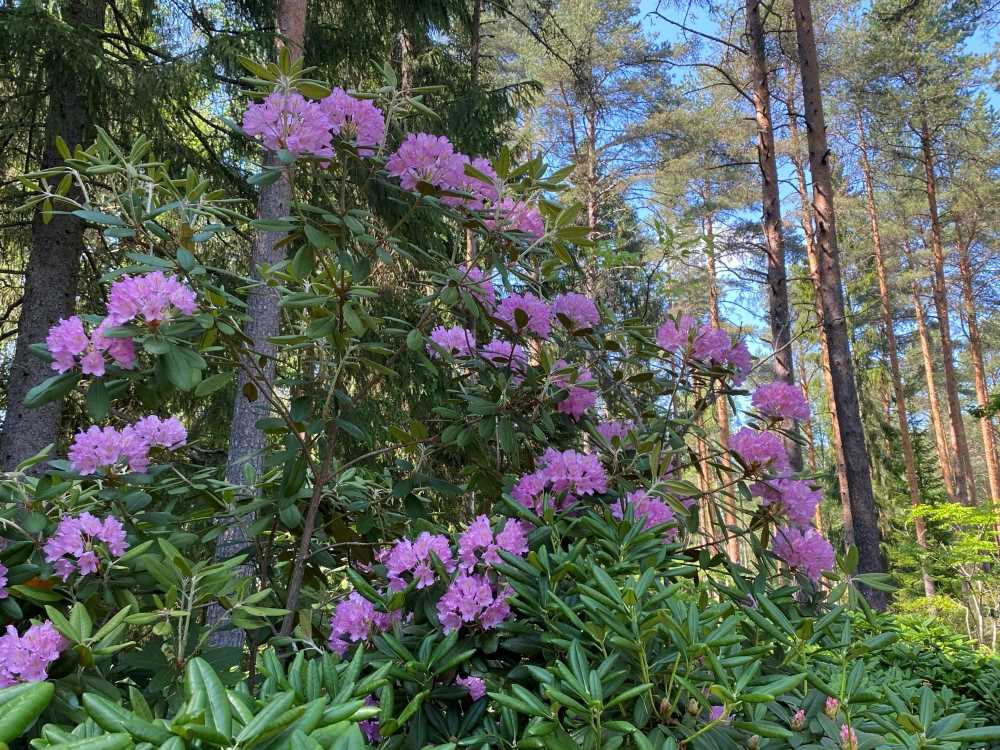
x=477 y=543
x=456 y=341
x=526 y=312
x=760 y=452
x=354 y=620
x=780 y=401
x=804 y=549
x=475 y=685
x=615 y=428
x=357 y=120
x=560 y=472
x=107 y=448
x=415 y=557
x=647 y=510
x=26 y=658
x=287 y=120
x=502 y=353
x=479 y=285
x=578 y=310
x=472 y=599
x=152 y=298
x=423 y=157
x=73 y=547
x=796 y=498
x=578 y=399
x=709 y=345
x=69 y=344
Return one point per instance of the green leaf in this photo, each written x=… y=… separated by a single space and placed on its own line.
x=98 y=217
x=97 y=401
x=213 y=383
x=51 y=389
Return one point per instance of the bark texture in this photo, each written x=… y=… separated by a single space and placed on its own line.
x=247 y=443
x=965 y=488
x=888 y=324
x=777 y=280
x=864 y=514
x=53 y=268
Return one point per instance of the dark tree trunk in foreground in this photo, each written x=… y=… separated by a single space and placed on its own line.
x=247 y=443
x=777 y=280
x=864 y=515
x=909 y=462
x=965 y=489
x=806 y=222
x=53 y=270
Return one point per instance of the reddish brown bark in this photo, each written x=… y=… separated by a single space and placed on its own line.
x=806 y=222
x=965 y=488
x=864 y=514
x=978 y=368
x=888 y=324
x=927 y=355
x=779 y=315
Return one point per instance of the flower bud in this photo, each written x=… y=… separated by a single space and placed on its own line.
x=754 y=742
x=798 y=722
x=693 y=707
x=848 y=739
x=666 y=708
x=831 y=707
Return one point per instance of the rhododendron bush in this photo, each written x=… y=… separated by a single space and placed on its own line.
x=527 y=550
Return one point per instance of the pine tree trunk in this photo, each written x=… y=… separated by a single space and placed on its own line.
x=53 y=268
x=806 y=222
x=777 y=279
x=864 y=514
x=475 y=40
x=941 y=445
x=721 y=409
x=978 y=368
x=965 y=489
x=247 y=443
x=912 y=483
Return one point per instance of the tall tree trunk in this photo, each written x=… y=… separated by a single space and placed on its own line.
x=247 y=443
x=591 y=176
x=53 y=268
x=912 y=483
x=721 y=409
x=943 y=449
x=806 y=222
x=979 y=370
x=777 y=279
x=965 y=488
x=864 y=514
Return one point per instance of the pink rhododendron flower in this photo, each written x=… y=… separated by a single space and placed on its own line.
x=25 y=658
x=647 y=510
x=414 y=557
x=848 y=739
x=615 y=428
x=483 y=193
x=475 y=685
x=579 y=310
x=718 y=713
x=526 y=218
x=578 y=399
x=673 y=336
x=151 y=298
x=560 y=471
x=781 y=401
x=67 y=341
x=357 y=120
x=831 y=707
x=505 y=354
x=797 y=498
x=712 y=345
x=456 y=341
x=107 y=448
x=478 y=545
x=354 y=620
x=426 y=158
x=370 y=727
x=73 y=545
x=286 y=120
x=760 y=451
x=806 y=550
x=536 y=312
x=471 y=599
x=740 y=361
